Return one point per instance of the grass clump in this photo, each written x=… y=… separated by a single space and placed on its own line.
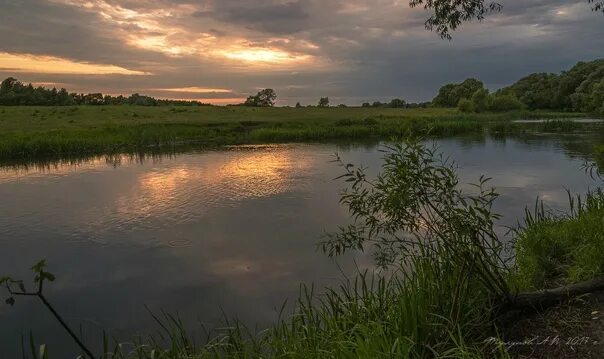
x=371 y=316
x=553 y=250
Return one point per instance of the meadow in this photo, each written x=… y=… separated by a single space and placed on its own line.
x=29 y=132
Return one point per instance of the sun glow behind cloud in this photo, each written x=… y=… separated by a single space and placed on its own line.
x=263 y=55
x=56 y=65
x=156 y=30
x=195 y=89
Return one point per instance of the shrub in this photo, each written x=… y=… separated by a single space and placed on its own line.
x=481 y=100
x=503 y=103
x=465 y=105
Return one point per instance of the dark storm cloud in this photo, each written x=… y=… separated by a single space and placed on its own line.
x=362 y=50
x=272 y=17
x=45 y=28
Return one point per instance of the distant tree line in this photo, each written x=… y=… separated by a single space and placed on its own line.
x=396 y=103
x=579 y=89
x=16 y=93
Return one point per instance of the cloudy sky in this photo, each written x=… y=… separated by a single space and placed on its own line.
x=221 y=51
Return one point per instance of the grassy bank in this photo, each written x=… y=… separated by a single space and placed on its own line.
x=34 y=132
x=554 y=250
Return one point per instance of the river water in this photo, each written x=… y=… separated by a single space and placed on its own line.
x=202 y=233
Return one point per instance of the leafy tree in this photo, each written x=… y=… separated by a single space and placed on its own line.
x=366 y=104
x=450 y=94
x=465 y=105
x=397 y=103
x=324 y=102
x=448 y=15
x=596 y=100
x=298 y=105
x=536 y=91
x=571 y=90
x=505 y=102
x=15 y=93
x=480 y=100
x=264 y=98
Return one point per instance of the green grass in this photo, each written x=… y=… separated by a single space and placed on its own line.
x=425 y=315
x=36 y=132
x=554 y=250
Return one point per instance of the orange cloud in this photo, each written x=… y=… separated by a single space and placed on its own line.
x=155 y=30
x=263 y=55
x=56 y=65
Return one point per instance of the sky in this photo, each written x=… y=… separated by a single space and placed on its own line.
x=221 y=51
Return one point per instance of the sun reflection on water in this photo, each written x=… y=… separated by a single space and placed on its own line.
x=186 y=191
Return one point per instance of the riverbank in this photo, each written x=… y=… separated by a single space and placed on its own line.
x=36 y=132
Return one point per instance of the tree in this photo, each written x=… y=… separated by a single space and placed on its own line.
x=397 y=103
x=597 y=98
x=506 y=102
x=448 y=15
x=324 y=102
x=465 y=105
x=480 y=100
x=537 y=91
x=298 y=105
x=15 y=93
x=450 y=94
x=8 y=85
x=264 y=98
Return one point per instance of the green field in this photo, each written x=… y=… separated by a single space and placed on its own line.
x=36 y=132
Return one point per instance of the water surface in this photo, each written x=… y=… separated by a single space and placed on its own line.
x=205 y=232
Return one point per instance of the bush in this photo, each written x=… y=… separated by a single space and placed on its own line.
x=503 y=103
x=465 y=105
x=481 y=100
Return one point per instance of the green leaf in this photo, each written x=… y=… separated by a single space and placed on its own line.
x=39 y=267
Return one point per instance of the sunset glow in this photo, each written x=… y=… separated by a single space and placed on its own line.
x=263 y=55
x=222 y=51
x=195 y=89
x=56 y=65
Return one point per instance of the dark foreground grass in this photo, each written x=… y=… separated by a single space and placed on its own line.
x=427 y=314
x=418 y=316
x=554 y=250
x=36 y=132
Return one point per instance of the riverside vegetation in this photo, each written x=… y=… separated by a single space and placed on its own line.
x=28 y=133
x=445 y=276
x=37 y=122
